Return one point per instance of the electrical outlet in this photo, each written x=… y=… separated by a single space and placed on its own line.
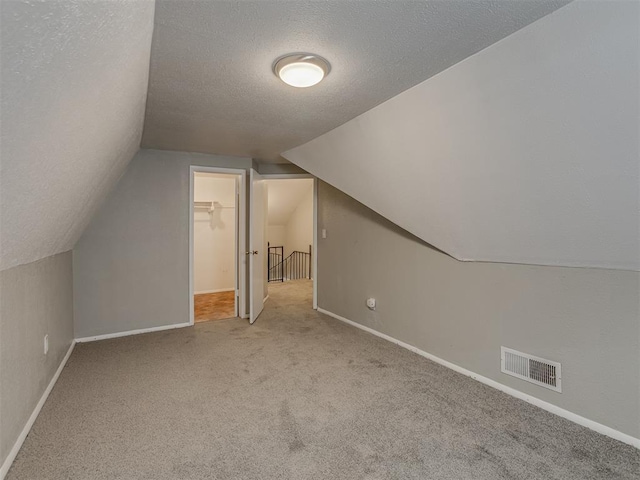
x=46 y=344
x=371 y=303
x=324 y=233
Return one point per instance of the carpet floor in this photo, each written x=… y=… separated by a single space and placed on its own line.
x=298 y=395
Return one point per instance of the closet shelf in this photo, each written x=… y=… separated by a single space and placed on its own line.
x=209 y=206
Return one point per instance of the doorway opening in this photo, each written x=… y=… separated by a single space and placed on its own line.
x=290 y=239
x=216 y=236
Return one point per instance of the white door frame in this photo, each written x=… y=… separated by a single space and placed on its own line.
x=241 y=229
x=314 y=256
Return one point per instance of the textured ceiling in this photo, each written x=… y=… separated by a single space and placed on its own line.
x=211 y=87
x=285 y=196
x=74 y=81
x=526 y=152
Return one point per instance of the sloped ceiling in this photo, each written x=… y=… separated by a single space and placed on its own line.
x=74 y=83
x=211 y=85
x=284 y=198
x=527 y=152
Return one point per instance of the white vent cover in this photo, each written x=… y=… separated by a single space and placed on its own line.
x=531 y=369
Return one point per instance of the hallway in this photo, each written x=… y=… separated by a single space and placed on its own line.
x=298 y=395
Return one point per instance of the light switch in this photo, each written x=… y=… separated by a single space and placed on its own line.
x=324 y=233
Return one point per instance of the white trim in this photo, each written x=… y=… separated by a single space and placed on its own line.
x=240 y=300
x=36 y=411
x=549 y=407
x=191 y=200
x=241 y=247
x=314 y=256
x=283 y=176
x=128 y=333
x=264 y=300
x=219 y=290
x=314 y=252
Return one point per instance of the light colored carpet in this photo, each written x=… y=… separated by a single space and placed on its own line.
x=298 y=395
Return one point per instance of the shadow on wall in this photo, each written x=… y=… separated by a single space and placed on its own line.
x=358 y=208
x=216 y=217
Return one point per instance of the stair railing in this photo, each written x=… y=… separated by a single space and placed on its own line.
x=274 y=264
x=294 y=267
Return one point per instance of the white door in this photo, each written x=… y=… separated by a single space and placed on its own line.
x=257 y=245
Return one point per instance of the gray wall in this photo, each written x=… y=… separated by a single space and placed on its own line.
x=35 y=299
x=131 y=265
x=278 y=169
x=588 y=319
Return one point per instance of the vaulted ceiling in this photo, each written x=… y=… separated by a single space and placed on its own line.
x=467 y=174
x=74 y=83
x=527 y=152
x=284 y=198
x=211 y=86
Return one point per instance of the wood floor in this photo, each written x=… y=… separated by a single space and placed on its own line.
x=214 y=306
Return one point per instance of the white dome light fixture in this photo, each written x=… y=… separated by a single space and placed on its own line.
x=301 y=69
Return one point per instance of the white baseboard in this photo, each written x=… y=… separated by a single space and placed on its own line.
x=549 y=407
x=219 y=290
x=131 y=332
x=265 y=299
x=27 y=428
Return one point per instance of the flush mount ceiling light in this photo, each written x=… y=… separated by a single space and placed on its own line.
x=301 y=69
